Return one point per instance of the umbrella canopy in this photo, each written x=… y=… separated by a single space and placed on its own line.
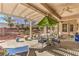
x=48 y=21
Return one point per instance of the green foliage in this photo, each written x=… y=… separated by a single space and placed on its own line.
x=9 y=20
x=11 y=24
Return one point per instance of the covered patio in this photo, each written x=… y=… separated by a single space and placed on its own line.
x=30 y=15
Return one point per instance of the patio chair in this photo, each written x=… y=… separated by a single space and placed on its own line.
x=42 y=41
x=18 y=51
x=54 y=41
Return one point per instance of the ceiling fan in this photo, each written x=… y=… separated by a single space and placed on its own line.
x=66 y=9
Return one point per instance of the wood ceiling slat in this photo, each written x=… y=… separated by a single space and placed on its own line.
x=33 y=14
x=14 y=8
x=29 y=13
x=8 y=7
x=23 y=11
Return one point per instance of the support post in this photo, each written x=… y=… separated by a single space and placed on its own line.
x=30 y=30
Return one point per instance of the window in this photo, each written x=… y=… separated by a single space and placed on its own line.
x=71 y=28
x=64 y=27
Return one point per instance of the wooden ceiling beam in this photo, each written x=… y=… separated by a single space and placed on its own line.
x=29 y=5
x=51 y=10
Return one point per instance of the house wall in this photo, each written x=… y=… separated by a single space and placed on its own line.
x=74 y=22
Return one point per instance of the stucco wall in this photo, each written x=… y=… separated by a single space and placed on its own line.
x=74 y=22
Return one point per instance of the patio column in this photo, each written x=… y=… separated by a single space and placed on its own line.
x=45 y=30
x=68 y=30
x=30 y=30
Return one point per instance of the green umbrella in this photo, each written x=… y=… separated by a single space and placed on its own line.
x=47 y=21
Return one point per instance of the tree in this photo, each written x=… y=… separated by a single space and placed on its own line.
x=18 y=26
x=9 y=20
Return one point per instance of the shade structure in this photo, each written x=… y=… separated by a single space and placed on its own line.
x=47 y=21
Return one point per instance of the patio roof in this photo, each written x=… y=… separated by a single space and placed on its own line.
x=36 y=11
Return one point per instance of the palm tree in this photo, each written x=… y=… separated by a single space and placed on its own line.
x=9 y=20
x=18 y=26
x=26 y=27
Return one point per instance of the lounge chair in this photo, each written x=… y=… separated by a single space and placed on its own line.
x=18 y=50
x=42 y=41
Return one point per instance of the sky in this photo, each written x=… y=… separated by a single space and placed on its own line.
x=19 y=20
x=3 y=22
x=14 y=19
x=2 y=19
